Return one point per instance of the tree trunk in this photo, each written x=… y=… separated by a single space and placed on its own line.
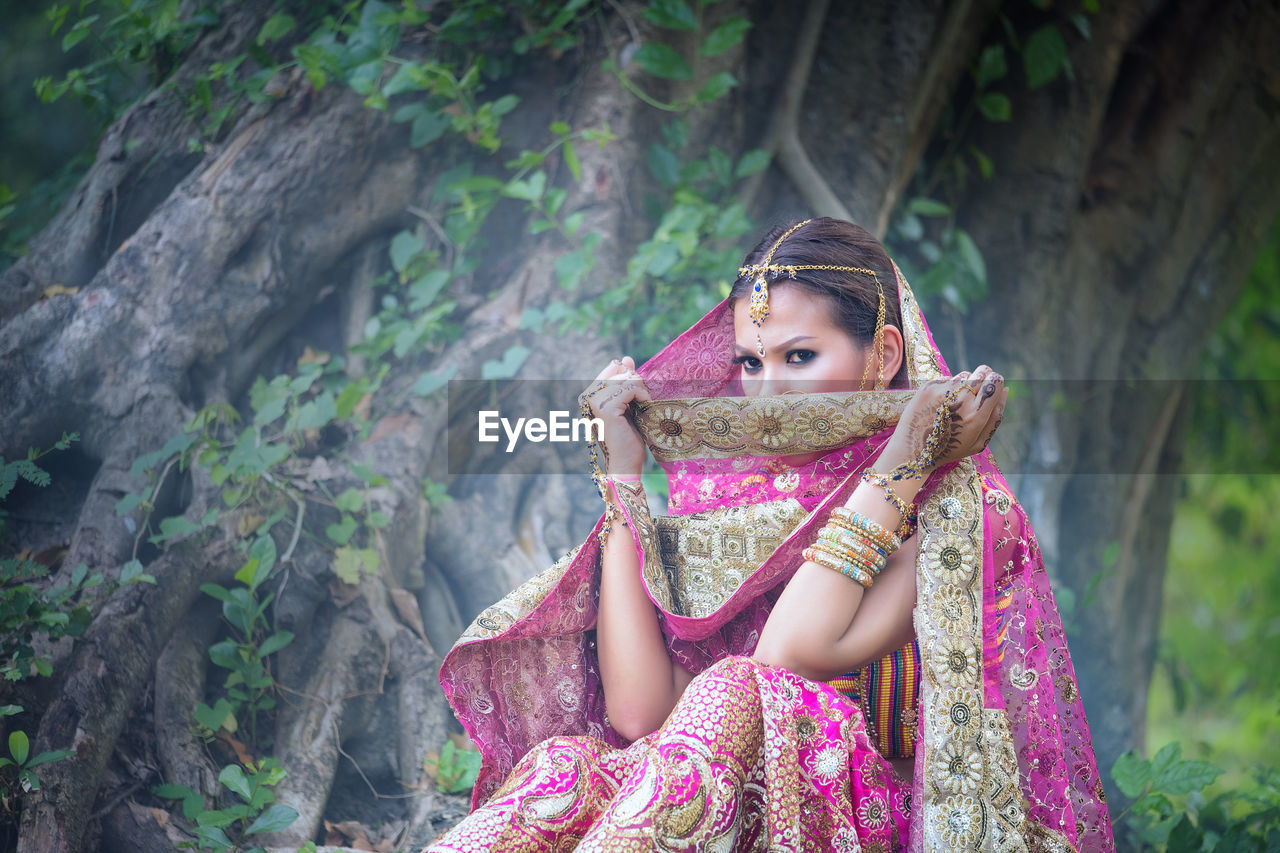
x=1135 y=192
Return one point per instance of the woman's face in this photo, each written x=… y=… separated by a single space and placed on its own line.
x=804 y=350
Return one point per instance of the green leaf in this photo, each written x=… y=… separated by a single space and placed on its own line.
x=405 y=246
x=507 y=366
x=429 y=383
x=19 y=746
x=217 y=818
x=275 y=643
x=212 y=837
x=571 y=160
x=971 y=255
x=427 y=127
x=991 y=66
x=1187 y=776
x=274 y=819
x=341 y=532
x=233 y=777
x=277 y=26
x=174 y=527
x=661 y=60
x=50 y=755
x=664 y=165
x=348 y=563
x=928 y=207
x=672 y=14
x=215 y=591
x=351 y=500
x=717 y=86
x=171 y=791
x=753 y=161
x=530 y=190
x=985 y=166
x=1044 y=56
x=995 y=107
x=127 y=503
x=1110 y=554
x=131 y=572
x=725 y=36
x=1131 y=773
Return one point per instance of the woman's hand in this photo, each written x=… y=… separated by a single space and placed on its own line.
x=622 y=449
x=976 y=413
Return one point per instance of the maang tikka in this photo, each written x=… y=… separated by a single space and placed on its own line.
x=767 y=270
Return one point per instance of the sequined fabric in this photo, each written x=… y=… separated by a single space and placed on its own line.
x=1003 y=759
x=752 y=758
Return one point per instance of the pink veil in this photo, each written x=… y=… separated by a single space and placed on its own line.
x=1004 y=759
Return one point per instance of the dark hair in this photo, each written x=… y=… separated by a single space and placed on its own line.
x=853 y=297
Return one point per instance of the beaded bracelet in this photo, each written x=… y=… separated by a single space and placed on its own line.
x=849 y=544
x=844 y=567
x=872 y=567
x=908 y=511
x=859 y=524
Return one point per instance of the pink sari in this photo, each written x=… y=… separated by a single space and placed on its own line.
x=756 y=757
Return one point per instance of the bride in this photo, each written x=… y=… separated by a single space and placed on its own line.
x=842 y=637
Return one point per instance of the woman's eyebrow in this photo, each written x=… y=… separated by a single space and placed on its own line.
x=741 y=349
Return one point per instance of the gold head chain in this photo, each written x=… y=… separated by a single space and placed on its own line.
x=769 y=270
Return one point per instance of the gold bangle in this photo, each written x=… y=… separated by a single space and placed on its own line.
x=845 y=568
x=863 y=525
x=845 y=559
x=852 y=548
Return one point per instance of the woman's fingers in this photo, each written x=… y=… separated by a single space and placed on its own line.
x=615 y=387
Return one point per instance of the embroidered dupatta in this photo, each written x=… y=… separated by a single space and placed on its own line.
x=1003 y=758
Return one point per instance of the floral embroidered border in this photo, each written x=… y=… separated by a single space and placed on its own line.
x=776 y=425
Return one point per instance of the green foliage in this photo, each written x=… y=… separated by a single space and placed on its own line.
x=18 y=767
x=455 y=768
x=1171 y=811
x=248 y=684
x=28 y=606
x=665 y=62
x=252 y=812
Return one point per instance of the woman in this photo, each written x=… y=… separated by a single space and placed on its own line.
x=673 y=682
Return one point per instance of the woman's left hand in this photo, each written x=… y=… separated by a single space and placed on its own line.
x=976 y=413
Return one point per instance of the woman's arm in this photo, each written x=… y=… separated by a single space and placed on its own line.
x=812 y=630
x=641 y=681
x=825 y=624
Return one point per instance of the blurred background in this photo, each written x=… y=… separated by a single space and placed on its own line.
x=244 y=246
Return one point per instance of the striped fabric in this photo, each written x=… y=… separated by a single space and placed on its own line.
x=887 y=690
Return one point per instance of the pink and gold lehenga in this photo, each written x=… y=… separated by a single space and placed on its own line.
x=755 y=757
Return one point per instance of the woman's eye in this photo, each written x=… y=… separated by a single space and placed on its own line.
x=801 y=356
x=750 y=364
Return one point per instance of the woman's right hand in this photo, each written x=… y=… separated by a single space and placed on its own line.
x=622 y=449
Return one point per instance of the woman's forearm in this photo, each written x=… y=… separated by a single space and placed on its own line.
x=812 y=630
x=641 y=681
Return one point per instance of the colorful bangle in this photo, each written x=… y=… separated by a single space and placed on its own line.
x=857 y=523
x=843 y=559
x=853 y=547
x=846 y=568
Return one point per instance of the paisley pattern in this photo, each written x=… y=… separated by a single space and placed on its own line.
x=752 y=758
x=1003 y=756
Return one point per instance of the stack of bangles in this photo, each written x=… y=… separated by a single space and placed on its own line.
x=854 y=545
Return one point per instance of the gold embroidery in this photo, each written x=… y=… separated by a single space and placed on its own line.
x=705 y=557
x=718 y=427
x=518 y=603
